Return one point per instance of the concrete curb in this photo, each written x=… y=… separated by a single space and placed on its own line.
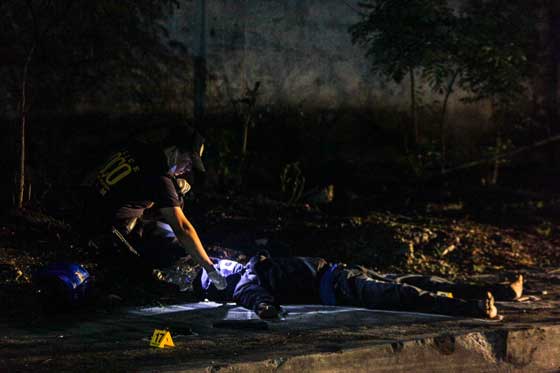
x=521 y=350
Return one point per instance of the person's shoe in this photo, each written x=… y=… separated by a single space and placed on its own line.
x=267 y=311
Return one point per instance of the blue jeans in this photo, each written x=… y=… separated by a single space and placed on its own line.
x=361 y=287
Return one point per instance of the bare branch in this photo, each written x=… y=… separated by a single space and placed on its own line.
x=503 y=155
x=356 y=10
x=34 y=20
x=55 y=21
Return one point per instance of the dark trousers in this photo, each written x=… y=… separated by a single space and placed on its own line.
x=160 y=252
x=156 y=245
x=362 y=287
x=459 y=290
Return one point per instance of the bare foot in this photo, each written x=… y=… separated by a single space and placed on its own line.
x=487 y=308
x=517 y=286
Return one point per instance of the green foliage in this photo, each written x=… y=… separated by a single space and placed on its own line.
x=501 y=147
x=427 y=159
x=223 y=159
x=545 y=229
x=292 y=182
x=245 y=108
x=403 y=36
x=484 y=48
x=76 y=48
x=400 y=35
x=495 y=48
x=486 y=44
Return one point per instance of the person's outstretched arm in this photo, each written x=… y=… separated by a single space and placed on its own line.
x=187 y=236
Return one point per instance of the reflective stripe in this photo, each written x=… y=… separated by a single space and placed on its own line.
x=326 y=288
x=309 y=265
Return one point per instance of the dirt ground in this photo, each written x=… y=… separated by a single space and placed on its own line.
x=118 y=341
x=462 y=235
x=474 y=235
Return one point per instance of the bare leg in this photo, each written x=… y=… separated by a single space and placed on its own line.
x=517 y=286
x=353 y=287
x=501 y=292
x=487 y=308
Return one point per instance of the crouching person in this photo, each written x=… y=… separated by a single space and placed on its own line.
x=143 y=177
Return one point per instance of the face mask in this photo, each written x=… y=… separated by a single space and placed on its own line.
x=179 y=163
x=184 y=165
x=171 y=155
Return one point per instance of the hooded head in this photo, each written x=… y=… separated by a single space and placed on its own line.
x=183 y=148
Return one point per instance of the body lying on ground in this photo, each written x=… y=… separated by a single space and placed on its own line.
x=265 y=283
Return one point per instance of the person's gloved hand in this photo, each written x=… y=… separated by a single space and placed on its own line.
x=217 y=279
x=184 y=186
x=267 y=311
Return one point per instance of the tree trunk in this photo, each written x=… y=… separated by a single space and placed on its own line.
x=245 y=81
x=200 y=63
x=547 y=62
x=20 y=167
x=413 y=113
x=497 y=160
x=245 y=137
x=443 y=123
x=554 y=92
x=498 y=147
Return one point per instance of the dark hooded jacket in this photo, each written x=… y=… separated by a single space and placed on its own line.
x=274 y=281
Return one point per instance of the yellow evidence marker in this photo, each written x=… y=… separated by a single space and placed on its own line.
x=161 y=339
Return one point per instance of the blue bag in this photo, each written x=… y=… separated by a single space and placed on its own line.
x=62 y=283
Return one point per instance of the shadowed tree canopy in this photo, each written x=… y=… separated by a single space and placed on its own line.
x=497 y=39
x=72 y=49
x=486 y=42
x=404 y=36
x=400 y=35
x=482 y=46
x=64 y=55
